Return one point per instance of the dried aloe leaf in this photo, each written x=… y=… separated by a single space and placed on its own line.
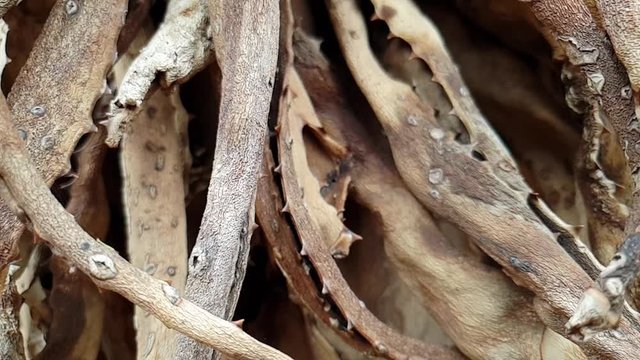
x=474 y=308
x=296 y=110
x=295 y=268
x=491 y=204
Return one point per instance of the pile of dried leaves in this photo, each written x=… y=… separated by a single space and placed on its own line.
x=402 y=179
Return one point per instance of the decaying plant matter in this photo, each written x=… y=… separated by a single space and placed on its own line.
x=346 y=179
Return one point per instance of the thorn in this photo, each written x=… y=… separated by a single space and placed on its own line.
x=452 y=112
x=104 y=122
x=276 y=129
x=349 y=325
x=391 y=36
x=326 y=307
x=413 y=56
x=239 y=323
x=94 y=128
x=285 y=208
x=253 y=227
x=303 y=251
x=325 y=289
x=278 y=169
x=375 y=17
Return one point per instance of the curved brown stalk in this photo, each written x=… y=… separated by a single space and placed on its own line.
x=53 y=109
x=473 y=310
x=78 y=307
x=490 y=205
x=26 y=188
x=296 y=111
x=294 y=267
x=247 y=50
x=599 y=88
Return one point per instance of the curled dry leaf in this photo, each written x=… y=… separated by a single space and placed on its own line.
x=492 y=205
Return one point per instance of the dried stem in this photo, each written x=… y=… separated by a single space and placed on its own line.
x=470 y=310
x=491 y=204
x=152 y=167
x=78 y=307
x=53 y=109
x=599 y=88
x=180 y=47
x=246 y=38
x=105 y=267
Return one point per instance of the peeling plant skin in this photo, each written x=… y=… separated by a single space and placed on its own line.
x=584 y=44
x=247 y=41
x=106 y=268
x=91 y=35
x=181 y=47
x=607 y=216
x=504 y=210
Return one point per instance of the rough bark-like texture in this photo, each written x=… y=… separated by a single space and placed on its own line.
x=53 y=97
x=491 y=205
x=597 y=86
x=26 y=188
x=621 y=19
x=486 y=329
x=180 y=47
x=10 y=338
x=5 y=5
x=152 y=166
x=78 y=307
x=246 y=40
